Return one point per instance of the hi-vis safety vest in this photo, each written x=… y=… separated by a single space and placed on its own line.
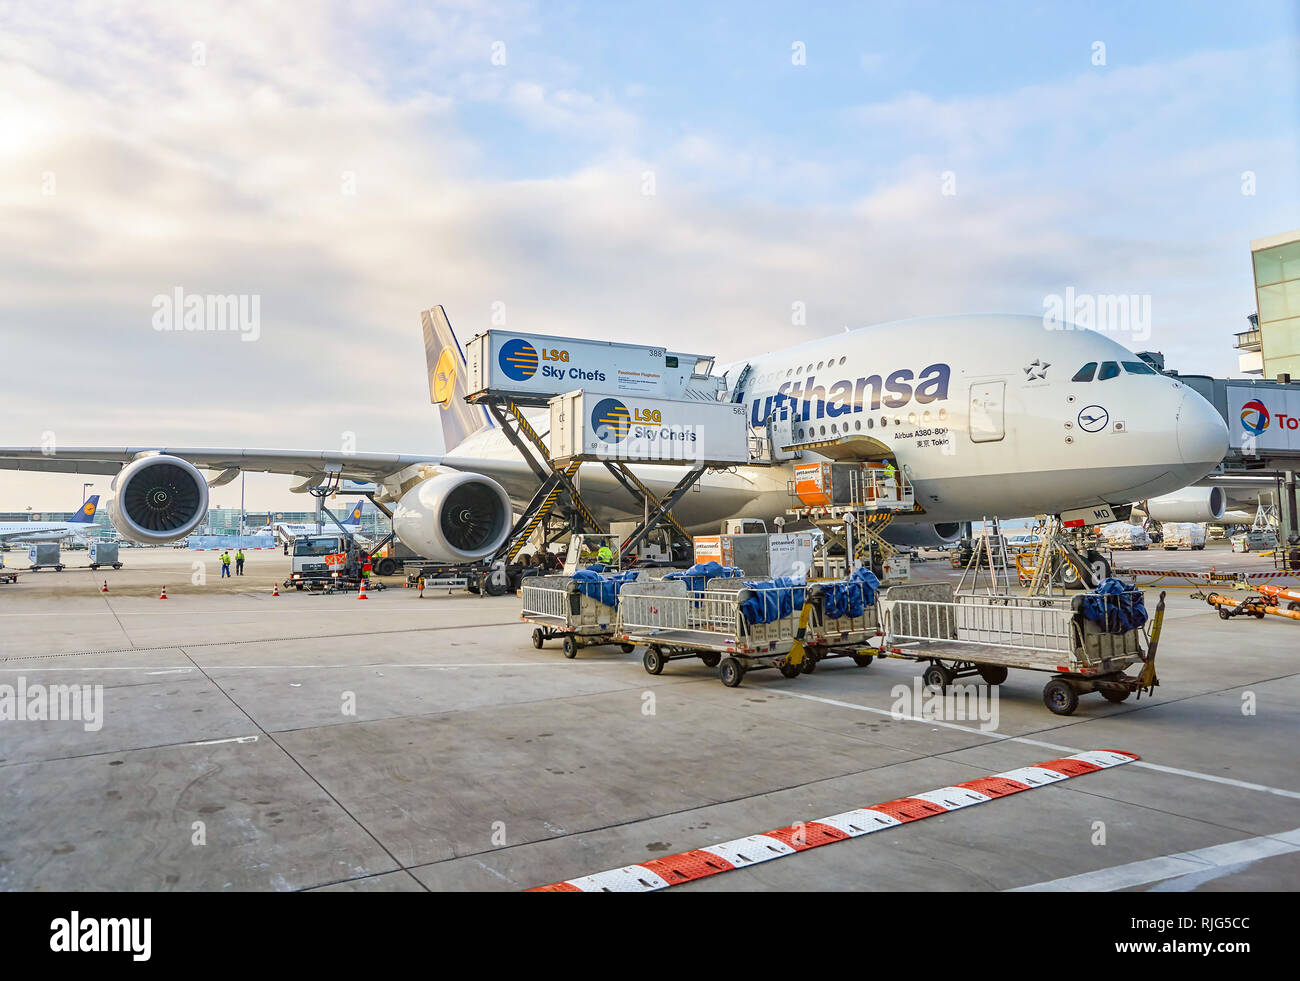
x=605 y=555
x=225 y=560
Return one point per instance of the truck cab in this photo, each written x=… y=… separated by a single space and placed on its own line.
x=316 y=560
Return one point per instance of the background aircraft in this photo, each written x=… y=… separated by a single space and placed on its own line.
x=51 y=531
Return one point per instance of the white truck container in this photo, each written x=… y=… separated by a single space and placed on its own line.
x=759 y=556
x=1184 y=534
x=593 y=425
x=537 y=366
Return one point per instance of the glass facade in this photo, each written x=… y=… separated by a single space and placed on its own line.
x=1276 y=264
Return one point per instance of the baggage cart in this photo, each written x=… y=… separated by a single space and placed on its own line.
x=559 y=607
x=961 y=635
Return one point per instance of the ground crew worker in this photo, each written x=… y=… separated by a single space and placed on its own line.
x=604 y=556
x=891 y=473
x=239 y=562
x=365 y=567
x=225 y=565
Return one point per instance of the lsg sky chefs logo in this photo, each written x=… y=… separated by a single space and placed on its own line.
x=236 y=313
x=53 y=703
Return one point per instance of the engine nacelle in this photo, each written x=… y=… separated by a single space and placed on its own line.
x=919 y=535
x=454 y=517
x=1188 y=504
x=158 y=499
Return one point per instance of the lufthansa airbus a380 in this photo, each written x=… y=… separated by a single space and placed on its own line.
x=987 y=415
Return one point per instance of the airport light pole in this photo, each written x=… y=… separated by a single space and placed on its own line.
x=85 y=487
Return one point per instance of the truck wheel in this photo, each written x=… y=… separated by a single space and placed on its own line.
x=993 y=674
x=731 y=672
x=492 y=587
x=863 y=660
x=570 y=646
x=937 y=676
x=538 y=639
x=1115 y=696
x=386 y=567
x=653 y=660
x=710 y=660
x=1060 y=697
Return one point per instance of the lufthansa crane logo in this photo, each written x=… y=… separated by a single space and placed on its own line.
x=518 y=360
x=611 y=420
x=443 y=383
x=1254 y=417
x=88 y=508
x=1093 y=418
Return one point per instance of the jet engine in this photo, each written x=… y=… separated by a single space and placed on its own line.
x=158 y=499
x=923 y=535
x=454 y=517
x=1188 y=504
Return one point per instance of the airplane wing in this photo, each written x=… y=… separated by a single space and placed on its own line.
x=308 y=464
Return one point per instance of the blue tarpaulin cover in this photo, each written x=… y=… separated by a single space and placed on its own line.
x=772 y=599
x=1116 y=605
x=847 y=599
x=602 y=588
x=699 y=574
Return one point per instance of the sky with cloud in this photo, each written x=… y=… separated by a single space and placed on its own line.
x=353 y=164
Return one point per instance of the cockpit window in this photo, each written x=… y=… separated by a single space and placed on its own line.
x=1139 y=368
x=1109 y=369
x=1086 y=372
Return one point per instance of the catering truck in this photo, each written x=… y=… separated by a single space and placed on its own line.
x=537 y=366
x=761 y=556
x=594 y=425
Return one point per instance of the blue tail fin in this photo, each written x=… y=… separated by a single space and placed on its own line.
x=354 y=516
x=86 y=514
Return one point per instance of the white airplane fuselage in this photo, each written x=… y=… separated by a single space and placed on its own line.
x=981 y=413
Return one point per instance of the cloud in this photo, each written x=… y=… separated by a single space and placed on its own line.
x=343 y=164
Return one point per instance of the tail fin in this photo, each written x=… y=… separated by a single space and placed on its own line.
x=354 y=516
x=446 y=365
x=86 y=514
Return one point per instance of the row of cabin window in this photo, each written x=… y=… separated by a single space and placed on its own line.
x=1110 y=369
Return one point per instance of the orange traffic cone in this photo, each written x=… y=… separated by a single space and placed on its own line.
x=104 y=588
x=362 y=594
x=164 y=593
x=275 y=589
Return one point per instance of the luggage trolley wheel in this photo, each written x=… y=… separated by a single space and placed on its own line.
x=570 y=646
x=809 y=664
x=938 y=676
x=1115 y=696
x=863 y=660
x=1293 y=606
x=710 y=660
x=653 y=660
x=993 y=674
x=1224 y=614
x=1060 y=697
x=789 y=670
x=627 y=648
x=731 y=671
x=538 y=638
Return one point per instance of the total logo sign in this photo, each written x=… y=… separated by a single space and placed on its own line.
x=1255 y=417
x=520 y=361
x=1270 y=420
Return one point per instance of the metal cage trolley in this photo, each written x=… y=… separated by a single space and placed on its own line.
x=675 y=622
x=558 y=607
x=966 y=634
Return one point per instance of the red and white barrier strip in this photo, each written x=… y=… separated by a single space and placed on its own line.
x=660 y=873
x=1210 y=578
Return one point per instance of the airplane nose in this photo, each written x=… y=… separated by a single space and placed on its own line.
x=1202 y=433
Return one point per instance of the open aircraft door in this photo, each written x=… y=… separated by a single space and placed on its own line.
x=987 y=420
